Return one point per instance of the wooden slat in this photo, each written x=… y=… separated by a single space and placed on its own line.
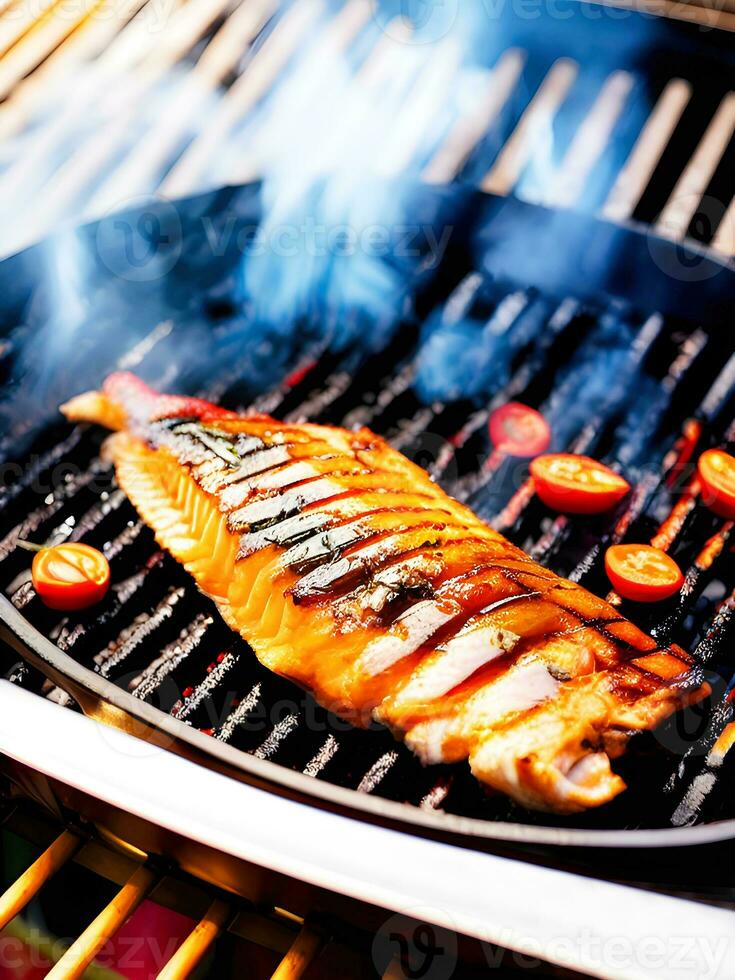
x=184 y=29
x=689 y=190
x=194 y=947
x=191 y=98
x=424 y=102
x=306 y=947
x=380 y=67
x=89 y=40
x=83 y=951
x=130 y=48
x=471 y=128
x=650 y=145
x=38 y=43
x=19 y=894
x=538 y=115
x=329 y=49
x=724 y=240
x=590 y=140
x=20 y=19
x=218 y=60
x=252 y=85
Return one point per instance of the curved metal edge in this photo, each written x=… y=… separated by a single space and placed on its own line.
x=582 y=253
x=79 y=681
x=696 y=12
x=590 y=257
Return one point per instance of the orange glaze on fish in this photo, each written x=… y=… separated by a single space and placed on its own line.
x=349 y=571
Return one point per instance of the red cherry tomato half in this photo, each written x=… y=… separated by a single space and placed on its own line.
x=577 y=484
x=518 y=430
x=642 y=573
x=70 y=576
x=717 y=475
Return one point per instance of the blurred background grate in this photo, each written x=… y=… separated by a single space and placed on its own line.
x=106 y=101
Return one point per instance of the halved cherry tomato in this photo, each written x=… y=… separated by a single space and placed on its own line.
x=517 y=430
x=70 y=576
x=642 y=573
x=577 y=484
x=717 y=475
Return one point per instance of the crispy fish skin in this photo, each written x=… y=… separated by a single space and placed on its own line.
x=350 y=572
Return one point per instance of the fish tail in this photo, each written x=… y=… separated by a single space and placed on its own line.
x=127 y=402
x=95 y=406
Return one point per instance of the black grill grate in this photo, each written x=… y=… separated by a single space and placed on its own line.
x=158 y=638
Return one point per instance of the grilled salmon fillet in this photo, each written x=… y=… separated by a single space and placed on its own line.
x=350 y=572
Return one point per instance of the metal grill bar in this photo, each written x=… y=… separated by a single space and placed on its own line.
x=700 y=777
x=673 y=464
x=585 y=440
x=677 y=375
x=198 y=674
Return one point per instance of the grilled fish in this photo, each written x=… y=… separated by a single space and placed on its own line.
x=350 y=572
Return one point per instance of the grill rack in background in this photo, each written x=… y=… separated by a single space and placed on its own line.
x=121 y=98
x=203 y=676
